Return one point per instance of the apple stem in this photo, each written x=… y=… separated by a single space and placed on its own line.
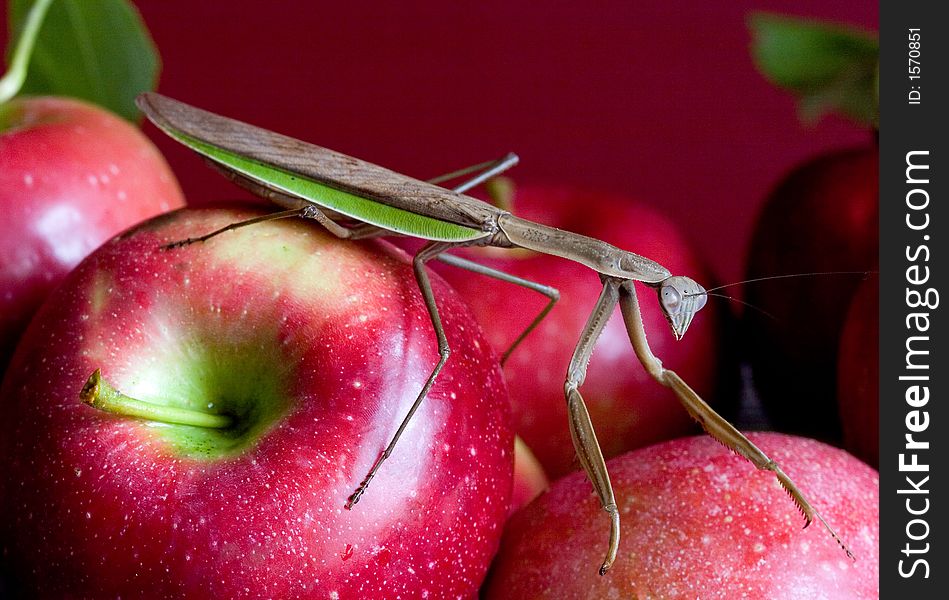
x=13 y=80
x=99 y=394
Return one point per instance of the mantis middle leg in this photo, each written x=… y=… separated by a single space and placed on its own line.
x=552 y=294
x=427 y=253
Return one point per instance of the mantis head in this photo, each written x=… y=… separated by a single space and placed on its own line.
x=680 y=298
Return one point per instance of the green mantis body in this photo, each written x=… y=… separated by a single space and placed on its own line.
x=356 y=199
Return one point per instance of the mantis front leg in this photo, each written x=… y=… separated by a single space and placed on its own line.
x=581 y=428
x=713 y=423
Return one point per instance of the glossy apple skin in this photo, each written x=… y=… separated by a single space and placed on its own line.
x=99 y=506
x=858 y=374
x=72 y=175
x=823 y=217
x=700 y=522
x=628 y=408
x=529 y=477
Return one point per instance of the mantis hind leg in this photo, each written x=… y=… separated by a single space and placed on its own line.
x=284 y=214
x=489 y=169
x=552 y=294
x=427 y=253
x=310 y=211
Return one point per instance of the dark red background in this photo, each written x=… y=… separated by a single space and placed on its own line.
x=659 y=101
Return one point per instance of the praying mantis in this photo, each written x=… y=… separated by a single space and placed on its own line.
x=355 y=199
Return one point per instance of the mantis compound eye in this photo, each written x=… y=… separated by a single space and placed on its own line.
x=671 y=299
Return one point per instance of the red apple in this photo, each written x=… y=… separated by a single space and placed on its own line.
x=313 y=349
x=628 y=408
x=529 y=477
x=824 y=217
x=858 y=374
x=72 y=175
x=700 y=522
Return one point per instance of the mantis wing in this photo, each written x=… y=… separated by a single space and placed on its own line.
x=346 y=185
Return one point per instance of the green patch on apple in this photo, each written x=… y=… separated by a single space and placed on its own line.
x=282 y=260
x=205 y=399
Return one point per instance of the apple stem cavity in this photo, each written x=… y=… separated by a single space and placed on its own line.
x=13 y=80
x=99 y=394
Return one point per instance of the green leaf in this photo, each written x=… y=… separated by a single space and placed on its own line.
x=97 y=50
x=830 y=67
